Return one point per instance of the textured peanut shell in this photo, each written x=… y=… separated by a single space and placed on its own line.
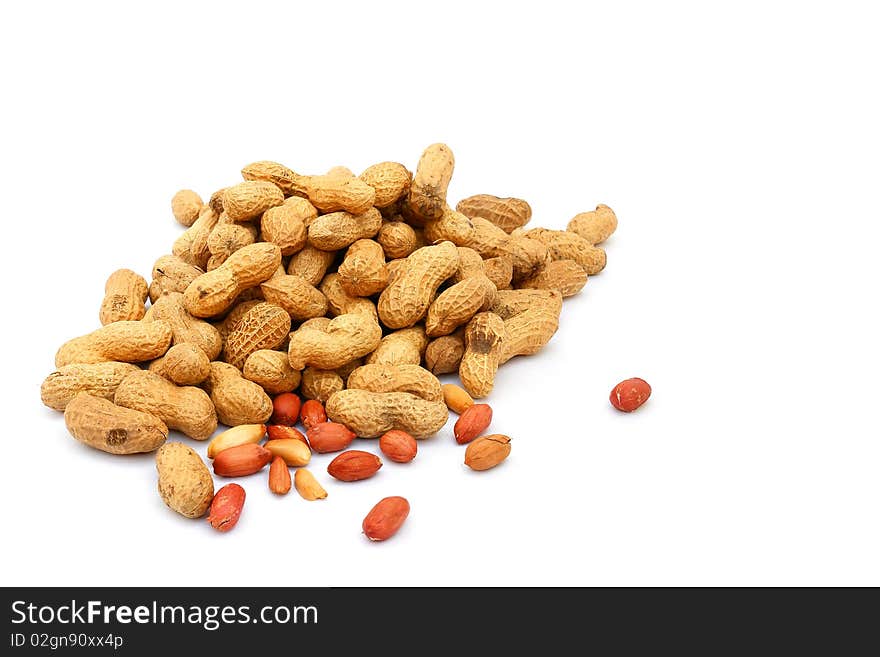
x=250 y=199
x=452 y=226
x=457 y=304
x=337 y=230
x=405 y=301
x=595 y=226
x=192 y=245
x=343 y=339
x=272 y=371
x=213 y=292
x=506 y=213
x=402 y=347
x=311 y=264
x=484 y=340
x=427 y=195
x=527 y=258
x=125 y=294
x=332 y=193
x=226 y=239
x=470 y=264
x=499 y=270
x=265 y=326
x=512 y=302
x=184 y=408
x=237 y=400
x=215 y=201
x=341 y=302
x=185 y=483
x=185 y=328
x=99 y=423
x=398 y=239
x=234 y=316
x=527 y=332
x=443 y=355
x=279 y=175
x=98 y=379
x=320 y=384
x=564 y=245
x=296 y=296
x=185 y=364
x=391 y=181
x=566 y=276
x=285 y=225
x=370 y=414
x=362 y=272
x=172 y=274
x=128 y=342
x=413 y=379
x=185 y=206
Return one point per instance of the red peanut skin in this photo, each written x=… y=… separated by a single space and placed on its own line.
x=312 y=413
x=329 y=437
x=385 y=519
x=226 y=507
x=285 y=409
x=628 y=395
x=398 y=446
x=472 y=423
x=354 y=465
x=242 y=460
x=280 y=432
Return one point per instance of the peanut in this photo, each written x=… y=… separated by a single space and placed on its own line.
x=506 y=213
x=124 y=297
x=125 y=341
x=370 y=414
x=334 y=192
x=345 y=338
x=341 y=302
x=565 y=276
x=398 y=239
x=285 y=409
x=527 y=257
x=265 y=326
x=97 y=379
x=564 y=245
x=320 y=384
x=512 y=302
x=398 y=446
x=338 y=230
x=457 y=399
x=185 y=206
x=213 y=292
x=185 y=328
x=452 y=226
x=296 y=296
x=499 y=270
x=272 y=371
x=311 y=264
x=427 y=194
x=185 y=364
x=595 y=226
x=403 y=347
x=184 y=408
x=185 y=483
x=363 y=272
x=294 y=452
x=226 y=507
x=279 y=175
x=285 y=225
x=99 y=423
x=279 y=477
x=390 y=180
x=226 y=239
x=312 y=413
x=484 y=343
x=628 y=395
x=243 y=434
x=396 y=378
x=307 y=486
x=487 y=452
x=172 y=274
x=237 y=400
x=527 y=332
x=443 y=354
x=458 y=304
x=386 y=518
x=192 y=245
x=250 y=199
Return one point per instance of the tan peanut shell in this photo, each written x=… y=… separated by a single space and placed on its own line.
x=185 y=328
x=128 y=342
x=250 y=199
x=427 y=195
x=457 y=304
x=341 y=302
x=311 y=264
x=172 y=274
x=345 y=338
x=279 y=175
x=499 y=270
x=97 y=379
x=370 y=414
x=402 y=347
x=396 y=268
x=506 y=213
x=185 y=483
x=405 y=301
x=527 y=258
x=391 y=181
x=272 y=371
x=337 y=230
x=527 y=332
x=185 y=364
x=192 y=245
x=564 y=245
x=396 y=378
x=333 y=192
x=124 y=297
x=226 y=239
x=512 y=302
x=443 y=354
x=215 y=201
x=320 y=384
x=296 y=296
x=450 y=225
x=99 y=423
x=236 y=399
x=185 y=206
x=184 y=408
x=340 y=171
x=470 y=264
x=484 y=340
x=238 y=310
x=566 y=276
x=213 y=292
x=595 y=226
x=346 y=370
x=285 y=225
x=398 y=239
x=265 y=326
x=362 y=272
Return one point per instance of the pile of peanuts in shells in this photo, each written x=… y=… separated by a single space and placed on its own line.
x=331 y=302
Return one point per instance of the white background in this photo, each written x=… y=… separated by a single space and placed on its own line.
x=739 y=147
